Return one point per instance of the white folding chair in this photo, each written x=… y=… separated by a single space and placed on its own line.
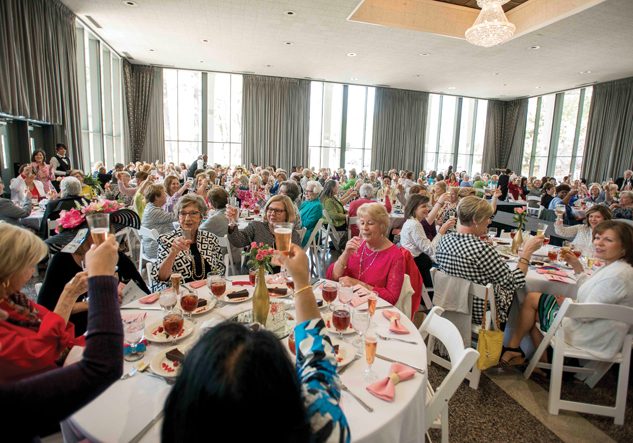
x=331 y=231
x=37 y=287
x=462 y=360
x=51 y=225
x=534 y=207
x=556 y=337
x=426 y=299
x=312 y=248
x=144 y=234
x=350 y=222
x=404 y=301
x=475 y=291
x=228 y=256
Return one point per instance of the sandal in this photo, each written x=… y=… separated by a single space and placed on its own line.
x=512 y=361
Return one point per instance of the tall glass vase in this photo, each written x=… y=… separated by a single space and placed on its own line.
x=261 y=300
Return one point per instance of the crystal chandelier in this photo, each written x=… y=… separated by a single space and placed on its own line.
x=491 y=27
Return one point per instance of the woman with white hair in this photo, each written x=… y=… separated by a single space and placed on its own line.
x=367 y=194
x=70 y=194
x=311 y=210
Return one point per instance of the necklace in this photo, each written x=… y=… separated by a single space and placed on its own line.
x=196 y=275
x=362 y=253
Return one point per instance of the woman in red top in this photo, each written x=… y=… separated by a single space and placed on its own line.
x=452 y=180
x=32 y=338
x=515 y=189
x=371 y=260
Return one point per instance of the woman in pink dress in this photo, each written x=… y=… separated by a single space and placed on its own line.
x=42 y=170
x=371 y=260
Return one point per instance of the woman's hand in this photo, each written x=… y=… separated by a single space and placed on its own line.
x=451 y=222
x=498 y=193
x=352 y=245
x=532 y=245
x=231 y=214
x=102 y=259
x=77 y=286
x=349 y=281
x=180 y=244
x=572 y=260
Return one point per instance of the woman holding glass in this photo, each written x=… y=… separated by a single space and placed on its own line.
x=191 y=252
x=583 y=234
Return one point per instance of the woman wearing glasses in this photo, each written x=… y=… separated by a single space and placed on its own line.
x=188 y=251
x=278 y=209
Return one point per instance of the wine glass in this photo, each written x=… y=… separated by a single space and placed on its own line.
x=341 y=317
x=560 y=211
x=329 y=292
x=187 y=234
x=176 y=279
x=167 y=300
x=346 y=294
x=217 y=284
x=189 y=303
x=133 y=328
x=372 y=300
x=283 y=237
x=360 y=323
x=371 y=343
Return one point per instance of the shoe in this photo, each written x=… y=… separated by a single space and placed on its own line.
x=517 y=360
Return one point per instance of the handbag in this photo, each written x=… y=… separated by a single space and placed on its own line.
x=490 y=342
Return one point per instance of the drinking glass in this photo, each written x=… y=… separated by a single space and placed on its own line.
x=371 y=343
x=283 y=237
x=371 y=304
x=540 y=230
x=252 y=275
x=173 y=322
x=176 y=279
x=329 y=292
x=189 y=303
x=99 y=224
x=560 y=210
x=217 y=284
x=341 y=317
x=346 y=294
x=167 y=300
x=133 y=328
x=188 y=235
x=360 y=323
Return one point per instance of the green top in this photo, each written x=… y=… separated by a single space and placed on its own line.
x=139 y=204
x=335 y=210
x=349 y=184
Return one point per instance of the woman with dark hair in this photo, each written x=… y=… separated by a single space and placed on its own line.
x=549 y=191
x=610 y=284
x=333 y=206
x=42 y=170
x=582 y=235
x=228 y=373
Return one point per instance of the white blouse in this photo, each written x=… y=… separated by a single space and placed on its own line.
x=582 y=236
x=414 y=239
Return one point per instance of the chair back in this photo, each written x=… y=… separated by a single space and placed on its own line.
x=462 y=360
x=547 y=215
x=406 y=293
x=312 y=239
x=146 y=234
x=223 y=242
x=351 y=221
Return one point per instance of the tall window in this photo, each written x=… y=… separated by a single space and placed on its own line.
x=555 y=133
x=203 y=114
x=455 y=133
x=100 y=101
x=340 y=115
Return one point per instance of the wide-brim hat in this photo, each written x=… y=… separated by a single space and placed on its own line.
x=119 y=220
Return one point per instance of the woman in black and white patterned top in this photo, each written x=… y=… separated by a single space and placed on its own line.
x=187 y=250
x=462 y=254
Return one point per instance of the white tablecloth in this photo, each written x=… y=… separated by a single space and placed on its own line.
x=128 y=405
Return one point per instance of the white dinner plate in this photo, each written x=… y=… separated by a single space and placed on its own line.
x=278 y=285
x=153 y=334
x=332 y=330
x=346 y=353
x=206 y=308
x=225 y=299
x=161 y=365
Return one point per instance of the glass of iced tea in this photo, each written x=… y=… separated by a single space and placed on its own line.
x=329 y=291
x=371 y=343
x=252 y=274
x=283 y=237
x=176 y=279
x=99 y=224
x=341 y=318
x=189 y=303
x=552 y=254
x=217 y=284
x=173 y=322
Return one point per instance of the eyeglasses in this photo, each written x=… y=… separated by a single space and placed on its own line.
x=276 y=211
x=192 y=214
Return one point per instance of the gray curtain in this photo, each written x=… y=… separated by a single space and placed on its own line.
x=399 y=129
x=155 y=135
x=505 y=135
x=609 y=142
x=138 y=82
x=275 y=121
x=38 y=67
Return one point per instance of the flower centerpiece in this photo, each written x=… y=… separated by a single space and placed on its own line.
x=259 y=256
x=520 y=215
x=73 y=218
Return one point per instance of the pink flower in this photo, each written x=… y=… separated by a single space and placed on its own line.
x=70 y=219
x=261 y=245
x=519 y=210
x=259 y=257
x=253 y=244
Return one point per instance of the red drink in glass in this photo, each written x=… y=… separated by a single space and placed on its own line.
x=290 y=283
x=545 y=240
x=341 y=319
x=577 y=252
x=189 y=302
x=329 y=293
x=173 y=323
x=552 y=254
x=218 y=288
x=251 y=276
x=256 y=210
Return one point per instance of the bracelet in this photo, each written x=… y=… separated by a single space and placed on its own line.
x=525 y=260
x=302 y=289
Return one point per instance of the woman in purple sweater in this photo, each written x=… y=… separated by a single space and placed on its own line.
x=36 y=403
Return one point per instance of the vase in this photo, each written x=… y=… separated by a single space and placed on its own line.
x=261 y=300
x=517 y=241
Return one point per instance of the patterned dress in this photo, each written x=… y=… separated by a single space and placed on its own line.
x=206 y=257
x=467 y=257
x=316 y=368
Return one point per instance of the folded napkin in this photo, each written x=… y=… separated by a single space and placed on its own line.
x=358 y=300
x=395 y=325
x=558 y=278
x=149 y=299
x=552 y=272
x=197 y=284
x=241 y=283
x=385 y=389
x=242 y=293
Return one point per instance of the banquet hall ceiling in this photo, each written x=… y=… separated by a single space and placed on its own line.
x=316 y=41
x=473 y=3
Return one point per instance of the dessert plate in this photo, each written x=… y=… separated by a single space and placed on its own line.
x=155 y=332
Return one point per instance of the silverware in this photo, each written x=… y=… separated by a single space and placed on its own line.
x=139 y=308
x=132 y=373
x=418 y=370
x=168 y=380
x=344 y=368
x=147 y=427
x=396 y=339
x=358 y=399
x=384 y=307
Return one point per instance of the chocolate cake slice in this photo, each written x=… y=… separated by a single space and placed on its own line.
x=237 y=294
x=278 y=291
x=175 y=355
x=202 y=302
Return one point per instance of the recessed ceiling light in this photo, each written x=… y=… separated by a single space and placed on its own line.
x=424 y=54
x=269 y=66
x=129 y=3
x=288 y=43
x=351 y=54
x=537 y=87
x=204 y=40
x=353 y=79
x=535 y=47
x=451 y=88
x=201 y=61
x=290 y=13
x=151 y=50
x=418 y=75
x=585 y=72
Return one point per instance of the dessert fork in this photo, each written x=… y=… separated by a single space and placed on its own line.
x=384 y=337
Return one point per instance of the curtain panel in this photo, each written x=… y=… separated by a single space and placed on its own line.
x=609 y=142
x=275 y=121
x=38 y=68
x=138 y=82
x=505 y=135
x=399 y=129
x=155 y=136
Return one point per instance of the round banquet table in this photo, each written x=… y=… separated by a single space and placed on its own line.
x=124 y=409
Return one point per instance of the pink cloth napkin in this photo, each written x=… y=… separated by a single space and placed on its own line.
x=395 y=325
x=197 y=284
x=357 y=301
x=385 y=389
x=149 y=299
x=241 y=283
x=552 y=272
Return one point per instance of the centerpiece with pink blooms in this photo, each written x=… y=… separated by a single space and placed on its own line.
x=75 y=217
x=520 y=216
x=259 y=257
